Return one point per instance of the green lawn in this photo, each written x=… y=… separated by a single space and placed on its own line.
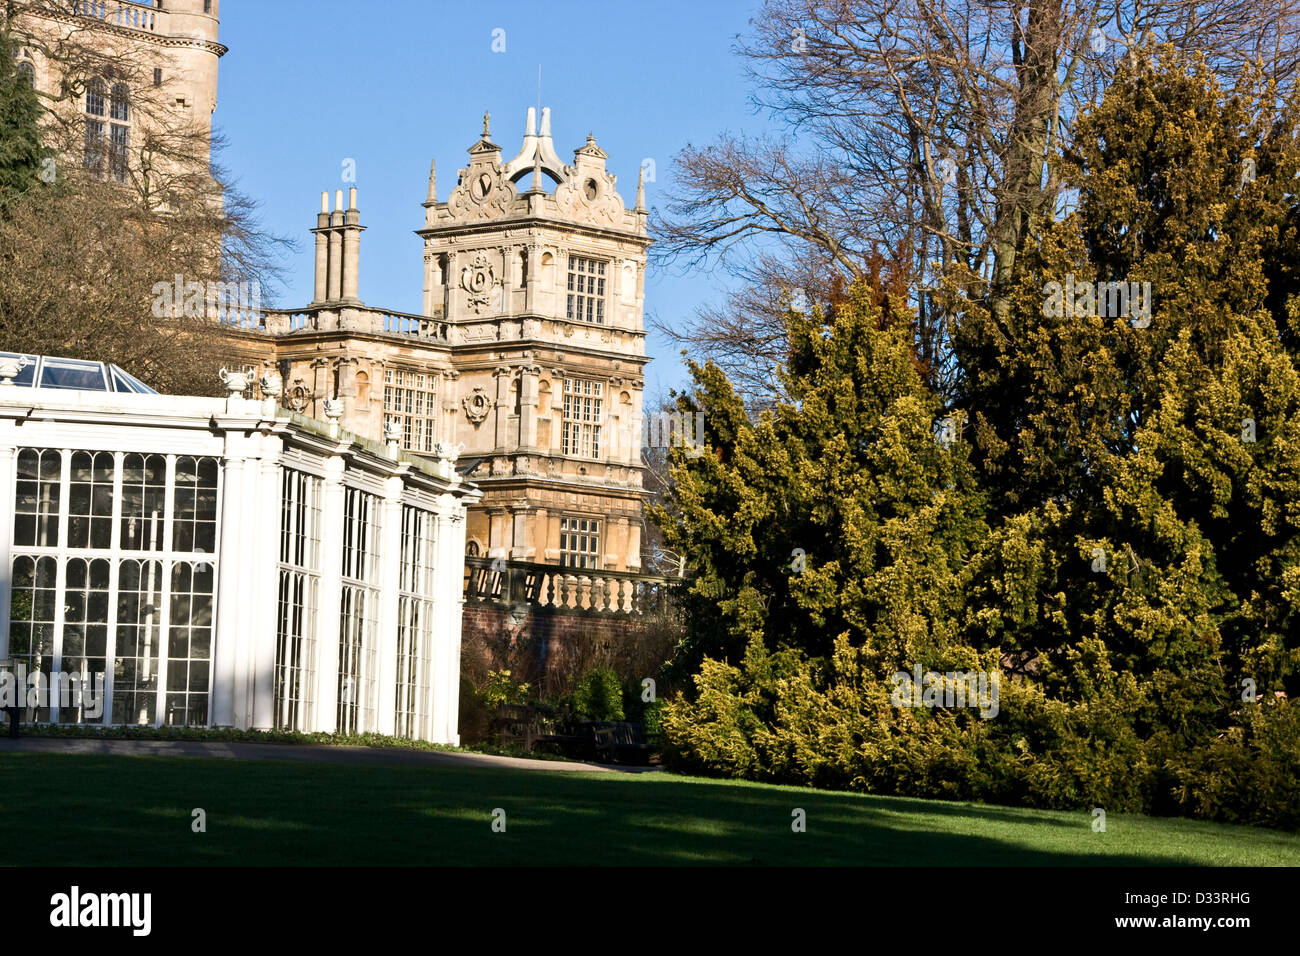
x=79 y=810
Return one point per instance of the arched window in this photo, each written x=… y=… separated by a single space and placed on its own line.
x=95 y=107
x=27 y=73
x=95 y=97
x=120 y=133
x=121 y=103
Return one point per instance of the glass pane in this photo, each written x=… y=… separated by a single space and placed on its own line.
x=80 y=375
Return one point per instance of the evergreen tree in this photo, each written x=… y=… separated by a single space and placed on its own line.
x=21 y=153
x=1145 y=462
x=847 y=512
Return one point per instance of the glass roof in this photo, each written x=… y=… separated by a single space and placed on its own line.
x=45 y=371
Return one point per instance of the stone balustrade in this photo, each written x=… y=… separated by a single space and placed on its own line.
x=511 y=583
x=122 y=13
x=370 y=321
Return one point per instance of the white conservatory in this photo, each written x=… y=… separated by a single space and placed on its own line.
x=224 y=562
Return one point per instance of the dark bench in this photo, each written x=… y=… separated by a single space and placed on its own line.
x=532 y=727
x=518 y=724
x=623 y=742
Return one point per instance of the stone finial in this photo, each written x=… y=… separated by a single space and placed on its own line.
x=640 y=191
x=487 y=125
x=433 y=181
x=272 y=386
x=393 y=437
x=536 y=153
x=445 y=455
x=446 y=451
x=11 y=367
x=235 y=382
x=537 y=173
x=333 y=412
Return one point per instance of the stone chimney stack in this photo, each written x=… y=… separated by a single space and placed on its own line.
x=338 y=250
x=351 y=249
x=322 y=250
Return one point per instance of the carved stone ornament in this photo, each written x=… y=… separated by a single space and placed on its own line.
x=298 y=396
x=478 y=279
x=482 y=193
x=477 y=404
x=589 y=196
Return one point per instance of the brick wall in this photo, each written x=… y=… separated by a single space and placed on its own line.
x=551 y=647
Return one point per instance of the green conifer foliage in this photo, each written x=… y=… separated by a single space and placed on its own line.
x=21 y=153
x=848 y=511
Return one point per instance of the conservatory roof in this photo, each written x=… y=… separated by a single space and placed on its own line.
x=47 y=371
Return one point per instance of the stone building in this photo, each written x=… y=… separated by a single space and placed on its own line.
x=122 y=79
x=528 y=358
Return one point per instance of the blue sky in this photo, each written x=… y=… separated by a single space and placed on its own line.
x=308 y=85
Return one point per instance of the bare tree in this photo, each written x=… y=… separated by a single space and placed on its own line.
x=77 y=279
x=83 y=262
x=929 y=129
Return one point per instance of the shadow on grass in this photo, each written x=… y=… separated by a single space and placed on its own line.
x=92 y=810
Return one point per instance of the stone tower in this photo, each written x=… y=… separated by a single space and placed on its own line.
x=157 y=64
x=526 y=366
x=545 y=292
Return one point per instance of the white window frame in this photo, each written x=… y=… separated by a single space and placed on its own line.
x=582 y=418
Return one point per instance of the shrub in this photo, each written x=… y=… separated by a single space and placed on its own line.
x=475 y=714
x=599 y=695
x=501 y=688
x=1248 y=773
x=829 y=722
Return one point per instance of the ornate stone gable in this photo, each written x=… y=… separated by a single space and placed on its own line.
x=587 y=194
x=482 y=193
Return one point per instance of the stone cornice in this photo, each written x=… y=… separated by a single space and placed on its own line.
x=455 y=228
x=94 y=23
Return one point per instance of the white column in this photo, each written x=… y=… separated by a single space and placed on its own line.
x=391 y=555
x=268 y=586
x=249 y=566
x=447 y=609
x=331 y=594
x=228 y=595
x=8 y=488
